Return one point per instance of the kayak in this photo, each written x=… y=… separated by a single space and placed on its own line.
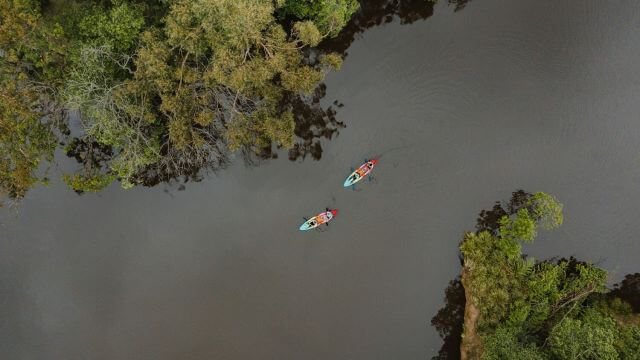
x=360 y=172
x=322 y=218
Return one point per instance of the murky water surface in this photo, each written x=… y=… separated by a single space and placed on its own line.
x=464 y=108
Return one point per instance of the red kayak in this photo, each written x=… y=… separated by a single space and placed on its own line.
x=322 y=218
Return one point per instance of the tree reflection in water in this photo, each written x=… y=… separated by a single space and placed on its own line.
x=628 y=290
x=314 y=123
x=448 y=321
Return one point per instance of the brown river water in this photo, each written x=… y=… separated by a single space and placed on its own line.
x=464 y=107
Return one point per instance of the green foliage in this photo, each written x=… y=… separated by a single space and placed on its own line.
x=114 y=23
x=112 y=114
x=590 y=337
x=33 y=49
x=214 y=75
x=25 y=139
x=83 y=183
x=628 y=343
x=547 y=210
x=548 y=310
x=30 y=64
x=118 y=27
x=540 y=209
x=232 y=61
x=522 y=227
x=504 y=344
x=164 y=87
x=307 y=32
x=497 y=273
x=333 y=61
x=330 y=16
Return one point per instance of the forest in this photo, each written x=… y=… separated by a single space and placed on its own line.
x=144 y=91
x=520 y=308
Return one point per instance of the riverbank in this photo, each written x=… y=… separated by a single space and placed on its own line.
x=471 y=343
x=517 y=308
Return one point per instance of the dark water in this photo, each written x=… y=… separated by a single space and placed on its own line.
x=540 y=95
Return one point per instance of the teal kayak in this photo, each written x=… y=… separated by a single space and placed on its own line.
x=360 y=172
x=322 y=218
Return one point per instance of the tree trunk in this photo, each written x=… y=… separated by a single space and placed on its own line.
x=471 y=346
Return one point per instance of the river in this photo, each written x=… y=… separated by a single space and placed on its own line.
x=463 y=107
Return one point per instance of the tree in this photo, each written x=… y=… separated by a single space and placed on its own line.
x=504 y=344
x=628 y=343
x=590 y=337
x=545 y=310
x=31 y=60
x=163 y=89
x=546 y=210
x=499 y=275
x=103 y=39
x=330 y=16
x=216 y=75
x=496 y=275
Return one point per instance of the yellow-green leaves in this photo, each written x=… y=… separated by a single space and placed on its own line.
x=234 y=55
x=329 y=16
x=151 y=61
x=331 y=60
x=547 y=210
x=302 y=79
x=519 y=228
x=261 y=129
x=161 y=96
x=197 y=24
x=25 y=140
x=118 y=26
x=278 y=128
x=79 y=182
x=307 y=32
x=544 y=310
x=29 y=67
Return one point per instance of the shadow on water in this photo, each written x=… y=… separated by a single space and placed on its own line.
x=314 y=123
x=488 y=219
x=449 y=320
x=628 y=290
x=95 y=157
x=377 y=12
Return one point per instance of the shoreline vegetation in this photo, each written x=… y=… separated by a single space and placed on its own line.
x=149 y=91
x=518 y=308
x=162 y=89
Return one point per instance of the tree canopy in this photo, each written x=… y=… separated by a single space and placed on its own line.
x=31 y=56
x=161 y=88
x=540 y=310
x=330 y=16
